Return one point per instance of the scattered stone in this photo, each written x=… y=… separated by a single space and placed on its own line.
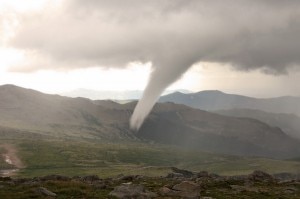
x=132 y=191
x=46 y=192
x=133 y=187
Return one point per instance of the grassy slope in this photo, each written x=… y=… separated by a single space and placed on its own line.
x=110 y=159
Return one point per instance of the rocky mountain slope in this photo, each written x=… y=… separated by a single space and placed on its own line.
x=27 y=111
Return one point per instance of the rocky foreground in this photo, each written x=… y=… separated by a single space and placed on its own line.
x=179 y=184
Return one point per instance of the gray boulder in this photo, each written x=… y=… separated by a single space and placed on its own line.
x=132 y=191
x=46 y=192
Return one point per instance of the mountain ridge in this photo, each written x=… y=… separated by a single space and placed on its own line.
x=212 y=100
x=289 y=123
x=169 y=123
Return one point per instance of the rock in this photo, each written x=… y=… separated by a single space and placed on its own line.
x=202 y=174
x=23 y=180
x=5 y=179
x=185 y=173
x=187 y=189
x=46 y=192
x=186 y=186
x=54 y=177
x=164 y=191
x=286 y=177
x=31 y=183
x=239 y=188
x=175 y=175
x=290 y=190
x=214 y=175
x=127 y=178
x=132 y=191
x=100 y=186
x=237 y=178
x=90 y=178
x=260 y=176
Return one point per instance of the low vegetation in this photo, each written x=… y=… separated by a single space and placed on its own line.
x=110 y=159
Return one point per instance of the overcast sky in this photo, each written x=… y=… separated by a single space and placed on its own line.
x=246 y=47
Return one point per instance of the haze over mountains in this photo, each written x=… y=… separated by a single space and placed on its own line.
x=30 y=114
x=289 y=123
x=212 y=100
x=113 y=95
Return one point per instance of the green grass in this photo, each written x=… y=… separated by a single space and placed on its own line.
x=64 y=190
x=110 y=159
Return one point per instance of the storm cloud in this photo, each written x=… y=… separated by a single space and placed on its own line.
x=171 y=34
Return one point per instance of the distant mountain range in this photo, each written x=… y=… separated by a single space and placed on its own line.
x=28 y=114
x=113 y=95
x=213 y=100
x=289 y=123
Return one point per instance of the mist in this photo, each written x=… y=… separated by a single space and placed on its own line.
x=171 y=34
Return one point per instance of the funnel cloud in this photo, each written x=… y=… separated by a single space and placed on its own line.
x=171 y=34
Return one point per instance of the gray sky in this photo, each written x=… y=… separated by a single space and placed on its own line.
x=169 y=36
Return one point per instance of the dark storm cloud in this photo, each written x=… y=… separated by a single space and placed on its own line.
x=172 y=34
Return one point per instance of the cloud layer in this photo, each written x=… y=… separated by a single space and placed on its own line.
x=172 y=34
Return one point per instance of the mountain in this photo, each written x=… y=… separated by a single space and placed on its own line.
x=98 y=95
x=58 y=116
x=29 y=114
x=114 y=95
x=212 y=100
x=289 y=123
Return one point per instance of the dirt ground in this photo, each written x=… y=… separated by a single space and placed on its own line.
x=11 y=156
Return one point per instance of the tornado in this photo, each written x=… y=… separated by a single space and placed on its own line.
x=160 y=79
